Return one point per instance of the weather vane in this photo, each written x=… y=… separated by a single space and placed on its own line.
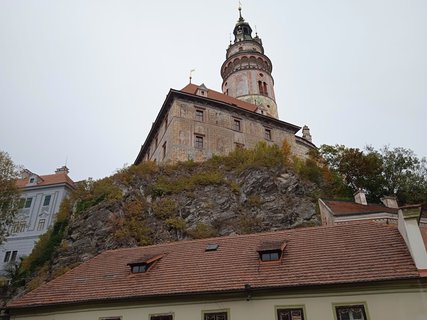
x=191 y=73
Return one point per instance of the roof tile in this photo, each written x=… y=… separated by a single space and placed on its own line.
x=355 y=252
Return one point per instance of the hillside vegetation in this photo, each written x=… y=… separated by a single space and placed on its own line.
x=247 y=191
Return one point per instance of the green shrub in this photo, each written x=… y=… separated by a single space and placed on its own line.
x=202 y=231
x=164 y=208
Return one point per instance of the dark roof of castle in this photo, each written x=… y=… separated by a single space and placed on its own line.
x=353 y=253
x=349 y=207
x=215 y=95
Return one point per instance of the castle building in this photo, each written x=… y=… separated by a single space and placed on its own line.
x=41 y=198
x=196 y=122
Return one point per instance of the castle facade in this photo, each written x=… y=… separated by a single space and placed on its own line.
x=196 y=122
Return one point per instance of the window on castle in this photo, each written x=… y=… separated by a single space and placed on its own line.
x=199 y=115
x=237 y=125
x=157 y=140
x=265 y=88
x=239 y=145
x=164 y=150
x=46 y=200
x=198 y=142
x=351 y=312
x=41 y=224
x=290 y=314
x=267 y=134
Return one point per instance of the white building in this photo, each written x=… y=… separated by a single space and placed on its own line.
x=41 y=198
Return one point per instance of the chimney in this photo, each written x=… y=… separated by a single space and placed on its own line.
x=410 y=231
x=306 y=133
x=360 y=197
x=390 y=202
x=63 y=169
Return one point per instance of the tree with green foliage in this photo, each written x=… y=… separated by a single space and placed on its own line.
x=381 y=172
x=9 y=193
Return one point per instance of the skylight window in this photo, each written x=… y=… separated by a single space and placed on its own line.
x=212 y=247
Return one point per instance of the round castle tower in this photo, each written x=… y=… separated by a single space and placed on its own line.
x=246 y=72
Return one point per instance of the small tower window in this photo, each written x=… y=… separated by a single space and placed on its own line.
x=260 y=87
x=265 y=88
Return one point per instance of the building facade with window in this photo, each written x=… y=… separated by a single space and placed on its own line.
x=196 y=122
x=358 y=271
x=41 y=198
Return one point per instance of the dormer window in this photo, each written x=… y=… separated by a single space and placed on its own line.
x=144 y=263
x=270 y=255
x=32 y=180
x=271 y=251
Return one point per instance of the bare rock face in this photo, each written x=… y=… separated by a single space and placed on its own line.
x=254 y=200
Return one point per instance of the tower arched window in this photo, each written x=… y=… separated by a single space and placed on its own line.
x=260 y=87
x=265 y=88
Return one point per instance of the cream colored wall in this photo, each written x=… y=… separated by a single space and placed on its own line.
x=381 y=305
x=218 y=133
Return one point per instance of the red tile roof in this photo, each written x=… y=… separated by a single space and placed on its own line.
x=350 y=253
x=215 y=95
x=49 y=179
x=344 y=207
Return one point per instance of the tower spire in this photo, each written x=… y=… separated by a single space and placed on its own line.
x=246 y=72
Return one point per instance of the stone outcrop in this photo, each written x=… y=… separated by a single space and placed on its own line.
x=254 y=200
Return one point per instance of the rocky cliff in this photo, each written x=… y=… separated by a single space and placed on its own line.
x=246 y=192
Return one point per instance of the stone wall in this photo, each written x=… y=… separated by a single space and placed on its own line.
x=193 y=131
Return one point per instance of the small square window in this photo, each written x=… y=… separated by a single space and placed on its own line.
x=199 y=115
x=161 y=317
x=7 y=256
x=13 y=257
x=290 y=314
x=270 y=255
x=351 y=312
x=41 y=224
x=267 y=134
x=46 y=201
x=139 y=268
x=237 y=125
x=198 y=143
x=215 y=316
x=28 y=202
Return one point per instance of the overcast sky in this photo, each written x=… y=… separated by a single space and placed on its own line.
x=82 y=81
